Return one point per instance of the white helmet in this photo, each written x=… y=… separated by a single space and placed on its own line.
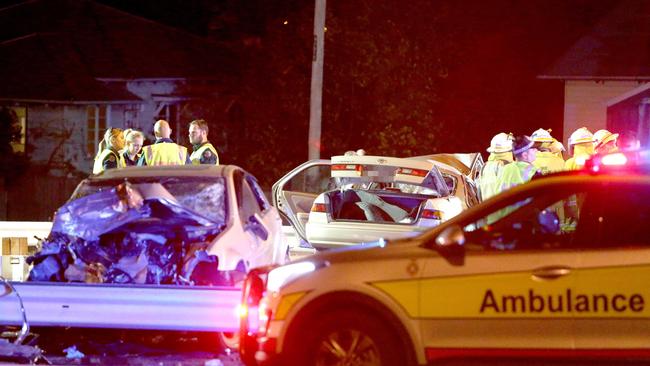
x=580 y=136
x=601 y=137
x=542 y=135
x=500 y=143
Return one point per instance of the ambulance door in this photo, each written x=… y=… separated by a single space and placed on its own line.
x=509 y=294
x=612 y=302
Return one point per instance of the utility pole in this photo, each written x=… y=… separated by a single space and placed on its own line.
x=316 y=96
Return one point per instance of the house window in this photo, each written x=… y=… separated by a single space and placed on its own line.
x=95 y=127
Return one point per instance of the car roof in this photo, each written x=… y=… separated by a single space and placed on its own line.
x=165 y=171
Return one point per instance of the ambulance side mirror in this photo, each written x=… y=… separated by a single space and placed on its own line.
x=450 y=243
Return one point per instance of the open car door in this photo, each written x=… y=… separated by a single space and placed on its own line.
x=294 y=193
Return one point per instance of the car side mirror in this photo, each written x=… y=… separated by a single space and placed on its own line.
x=255 y=226
x=450 y=243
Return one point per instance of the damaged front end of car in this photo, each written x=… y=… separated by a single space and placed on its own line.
x=140 y=232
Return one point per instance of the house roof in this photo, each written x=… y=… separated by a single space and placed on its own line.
x=617 y=48
x=43 y=67
x=69 y=44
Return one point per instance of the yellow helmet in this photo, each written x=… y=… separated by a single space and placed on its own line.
x=542 y=135
x=580 y=136
x=500 y=143
x=601 y=137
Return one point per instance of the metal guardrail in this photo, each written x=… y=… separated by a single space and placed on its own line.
x=161 y=307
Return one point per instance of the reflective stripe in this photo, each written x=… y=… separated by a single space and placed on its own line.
x=286 y=303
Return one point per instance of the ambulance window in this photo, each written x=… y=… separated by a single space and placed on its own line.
x=534 y=222
x=617 y=216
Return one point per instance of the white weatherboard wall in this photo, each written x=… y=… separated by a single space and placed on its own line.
x=585 y=103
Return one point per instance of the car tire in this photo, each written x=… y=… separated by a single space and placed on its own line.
x=347 y=337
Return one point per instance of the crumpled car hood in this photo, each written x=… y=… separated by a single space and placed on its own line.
x=126 y=235
x=96 y=214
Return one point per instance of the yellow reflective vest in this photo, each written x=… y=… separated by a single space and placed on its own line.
x=164 y=153
x=196 y=155
x=581 y=153
x=98 y=166
x=548 y=162
x=491 y=172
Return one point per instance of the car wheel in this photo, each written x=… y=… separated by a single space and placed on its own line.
x=349 y=338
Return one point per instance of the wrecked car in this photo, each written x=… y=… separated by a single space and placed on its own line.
x=162 y=225
x=361 y=198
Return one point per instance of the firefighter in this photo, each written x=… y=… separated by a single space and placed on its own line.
x=500 y=154
x=547 y=159
x=164 y=151
x=131 y=153
x=202 y=151
x=581 y=148
x=605 y=142
x=522 y=169
x=108 y=153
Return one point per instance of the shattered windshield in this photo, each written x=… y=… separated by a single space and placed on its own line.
x=203 y=195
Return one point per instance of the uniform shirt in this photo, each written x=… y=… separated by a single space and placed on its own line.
x=516 y=173
x=125 y=160
x=581 y=153
x=204 y=153
x=107 y=159
x=548 y=162
x=491 y=172
x=180 y=159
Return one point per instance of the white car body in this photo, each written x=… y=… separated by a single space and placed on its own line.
x=431 y=188
x=239 y=245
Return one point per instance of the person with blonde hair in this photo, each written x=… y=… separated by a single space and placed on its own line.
x=108 y=155
x=131 y=153
x=164 y=151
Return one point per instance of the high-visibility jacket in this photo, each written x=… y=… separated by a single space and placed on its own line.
x=491 y=172
x=126 y=161
x=198 y=153
x=98 y=166
x=164 y=153
x=581 y=153
x=548 y=162
x=516 y=173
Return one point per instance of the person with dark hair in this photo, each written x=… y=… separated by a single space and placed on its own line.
x=202 y=150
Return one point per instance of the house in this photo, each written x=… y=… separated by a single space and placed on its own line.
x=606 y=73
x=71 y=68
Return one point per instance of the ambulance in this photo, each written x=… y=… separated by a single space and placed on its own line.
x=555 y=269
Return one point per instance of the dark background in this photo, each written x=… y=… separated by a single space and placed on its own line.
x=400 y=78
